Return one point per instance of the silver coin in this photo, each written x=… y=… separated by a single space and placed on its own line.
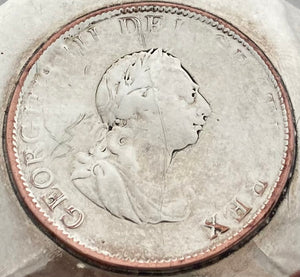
x=150 y=136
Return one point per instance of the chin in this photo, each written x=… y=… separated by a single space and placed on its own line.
x=193 y=138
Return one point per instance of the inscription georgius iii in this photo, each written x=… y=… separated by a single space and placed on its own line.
x=42 y=178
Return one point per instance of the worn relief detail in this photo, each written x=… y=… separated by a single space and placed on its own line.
x=139 y=139
x=150 y=134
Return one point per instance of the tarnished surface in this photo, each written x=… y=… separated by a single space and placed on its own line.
x=264 y=240
x=130 y=136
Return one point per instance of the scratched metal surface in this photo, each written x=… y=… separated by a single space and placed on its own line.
x=26 y=251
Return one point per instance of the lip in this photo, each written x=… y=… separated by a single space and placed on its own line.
x=198 y=127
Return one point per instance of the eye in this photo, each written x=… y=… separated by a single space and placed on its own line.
x=145 y=93
x=120 y=122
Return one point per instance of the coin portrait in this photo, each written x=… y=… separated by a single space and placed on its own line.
x=137 y=100
x=150 y=136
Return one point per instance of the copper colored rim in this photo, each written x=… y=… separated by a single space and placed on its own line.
x=100 y=259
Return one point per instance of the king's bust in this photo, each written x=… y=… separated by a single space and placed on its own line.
x=150 y=108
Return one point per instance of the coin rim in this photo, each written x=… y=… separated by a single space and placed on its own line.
x=102 y=259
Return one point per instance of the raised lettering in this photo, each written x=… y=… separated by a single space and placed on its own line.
x=223 y=40
x=130 y=25
x=239 y=210
x=154 y=23
x=92 y=31
x=178 y=23
x=33 y=156
x=32 y=101
x=54 y=198
x=78 y=41
x=215 y=227
x=42 y=178
x=240 y=55
x=73 y=219
x=259 y=188
x=30 y=134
